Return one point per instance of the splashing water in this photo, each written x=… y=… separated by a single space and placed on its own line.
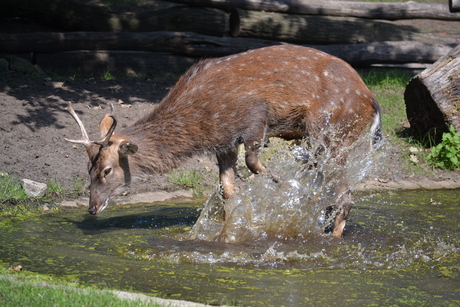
x=311 y=176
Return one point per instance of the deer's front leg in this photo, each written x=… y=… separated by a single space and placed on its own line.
x=227 y=171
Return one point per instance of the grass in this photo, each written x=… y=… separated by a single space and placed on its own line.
x=21 y=289
x=14 y=201
x=389 y=86
x=10 y=189
x=189 y=179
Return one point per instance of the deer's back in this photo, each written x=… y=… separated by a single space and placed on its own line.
x=293 y=89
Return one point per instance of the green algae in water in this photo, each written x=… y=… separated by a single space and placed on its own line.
x=399 y=249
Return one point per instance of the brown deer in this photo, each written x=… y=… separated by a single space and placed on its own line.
x=287 y=91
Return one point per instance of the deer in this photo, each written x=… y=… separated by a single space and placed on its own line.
x=286 y=91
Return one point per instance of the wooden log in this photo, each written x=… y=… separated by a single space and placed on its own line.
x=207 y=46
x=454 y=6
x=372 y=10
x=185 y=43
x=387 y=52
x=306 y=29
x=433 y=98
x=75 y=16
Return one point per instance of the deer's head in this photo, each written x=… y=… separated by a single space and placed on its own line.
x=108 y=165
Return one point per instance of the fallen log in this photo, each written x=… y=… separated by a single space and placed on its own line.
x=371 y=10
x=387 y=52
x=185 y=43
x=74 y=16
x=208 y=46
x=454 y=6
x=305 y=29
x=295 y=28
x=433 y=98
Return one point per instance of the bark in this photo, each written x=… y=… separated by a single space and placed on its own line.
x=294 y=28
x=387 y=52
x=454 y=6
x=74 y=16
x=433 y=97
x=207 y=46
x=175 y=42
x=373 y=10
x=305 y=29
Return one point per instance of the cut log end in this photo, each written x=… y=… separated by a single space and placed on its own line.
x=425 y=117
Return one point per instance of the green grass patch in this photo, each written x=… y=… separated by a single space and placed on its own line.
x=27 y=289
x=189 y=179
x=388 y=86
x=11 y=189
x=14 y=201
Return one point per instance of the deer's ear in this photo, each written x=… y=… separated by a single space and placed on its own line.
x=105 y=125
x=127 y=148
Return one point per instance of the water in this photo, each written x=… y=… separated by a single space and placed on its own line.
x=399 y=248
x=312 y=180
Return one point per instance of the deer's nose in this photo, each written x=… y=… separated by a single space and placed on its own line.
x=93 y=210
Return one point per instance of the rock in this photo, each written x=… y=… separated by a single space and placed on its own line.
x=149 y=197
x=19 y=64
x=3 y=65
x=155 y=197
x=22 y=65
x=77 y=203
x=33 y=188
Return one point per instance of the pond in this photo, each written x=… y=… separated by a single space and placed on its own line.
x=399 y=248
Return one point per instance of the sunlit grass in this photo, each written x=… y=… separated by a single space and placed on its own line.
x=10 y=188
x=191 y=179
x=22 y=289
x=389 y=86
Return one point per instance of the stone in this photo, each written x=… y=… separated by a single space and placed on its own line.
x=4 y=65
x=33 y=188
x=21 y=65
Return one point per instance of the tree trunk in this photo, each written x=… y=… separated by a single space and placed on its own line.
x=330 y=30
x=433 y=97
x=74 y=16
x=207 y=46
x=373 y=10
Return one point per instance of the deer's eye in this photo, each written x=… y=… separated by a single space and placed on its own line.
x=107 y=171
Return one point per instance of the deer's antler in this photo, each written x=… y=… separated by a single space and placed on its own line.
x=104 y=142
x=85 y=139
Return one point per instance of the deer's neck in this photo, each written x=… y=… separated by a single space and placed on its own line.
x=164 y=141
